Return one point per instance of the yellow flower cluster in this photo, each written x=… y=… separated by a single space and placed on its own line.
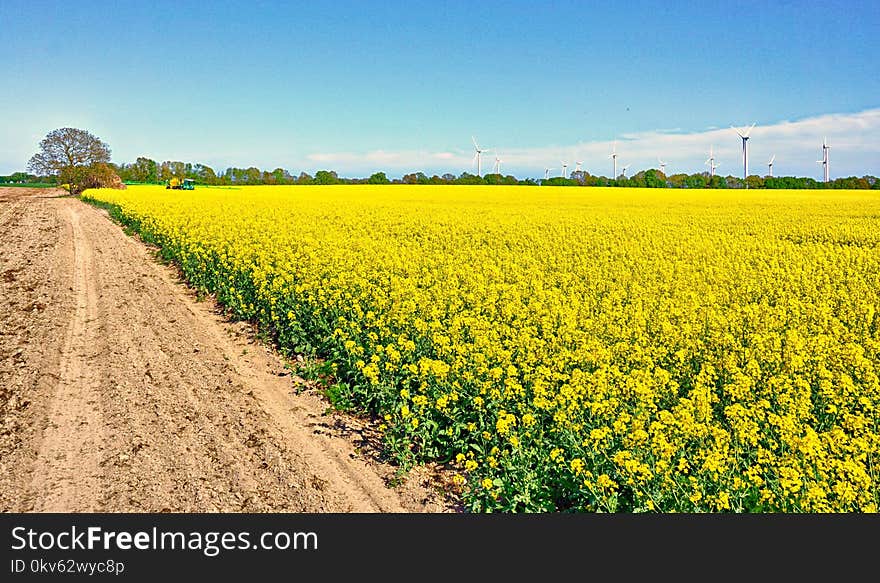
x=580 y=349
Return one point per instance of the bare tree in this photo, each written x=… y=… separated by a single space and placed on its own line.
x=70 y=154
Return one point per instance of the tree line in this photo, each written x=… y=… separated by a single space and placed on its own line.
x=78 y=160
x=654 y=178
x=646 y=179
x=148 y=171
x=145 y=170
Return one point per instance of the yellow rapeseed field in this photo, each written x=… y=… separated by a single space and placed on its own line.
x=580 y=349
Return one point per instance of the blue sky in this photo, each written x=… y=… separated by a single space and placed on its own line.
x=359 y=87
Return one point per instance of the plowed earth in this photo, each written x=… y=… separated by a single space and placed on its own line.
x=121 y=392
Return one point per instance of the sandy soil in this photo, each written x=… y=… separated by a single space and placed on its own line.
x=120 y=392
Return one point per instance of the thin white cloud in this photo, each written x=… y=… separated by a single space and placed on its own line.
x=855 y=150
x=796 y=144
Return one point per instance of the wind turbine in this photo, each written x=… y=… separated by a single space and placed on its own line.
x=662 y=165
x=745 y=138
x=547 y=173
x=497 y=168
x=711 y=163
x=477 y=154
x=613 y=156
x=564 y=166
x=824 y=160
x=623 y=170
x=770 y=166
x=577 y=166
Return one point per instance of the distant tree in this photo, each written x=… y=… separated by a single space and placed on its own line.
x=696 y=180
x=281 y=176
x=253 y=175
x=581 y=176
x=677 y=180
x=416 y=178
x=171 y=169
x=164 y=172
x=638 y=180
x=654 y=179
x=144 y=170
x=717 y=182
x=70 y=154
x=499 y=179
x=326 y=177
x=754 y=181
x=204 y=174
x=19 y=178
x=378 y=178
x=734 y=182
x=559 y=181
x=468 y=178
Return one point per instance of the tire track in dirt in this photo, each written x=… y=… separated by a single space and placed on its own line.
x=35 y=305
x=67 y=471
x=142 y=399
x=8 y=213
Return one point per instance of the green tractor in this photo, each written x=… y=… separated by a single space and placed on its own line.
x=178 y=184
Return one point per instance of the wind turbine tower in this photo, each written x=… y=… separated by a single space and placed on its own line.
x=824 y=160
x=623 y=170
x=613 y=156
x=477 y=154
x=770 y=166
x=745 y=138
x=662 y=165
x=577 y=166
x=547 y=173
x=711 y=163
x=564 y=166
x=497 y=167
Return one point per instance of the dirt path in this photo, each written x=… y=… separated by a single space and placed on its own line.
x=119 y=392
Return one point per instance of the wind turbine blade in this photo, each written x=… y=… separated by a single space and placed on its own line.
x=748 y=131
x=737 y=131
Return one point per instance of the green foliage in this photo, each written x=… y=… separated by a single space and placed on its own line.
x=326 y=177
x=559 y=181
x=378 y=178
x=78 y=158
x=147 y=171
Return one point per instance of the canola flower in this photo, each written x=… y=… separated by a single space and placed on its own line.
x=570 y=349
